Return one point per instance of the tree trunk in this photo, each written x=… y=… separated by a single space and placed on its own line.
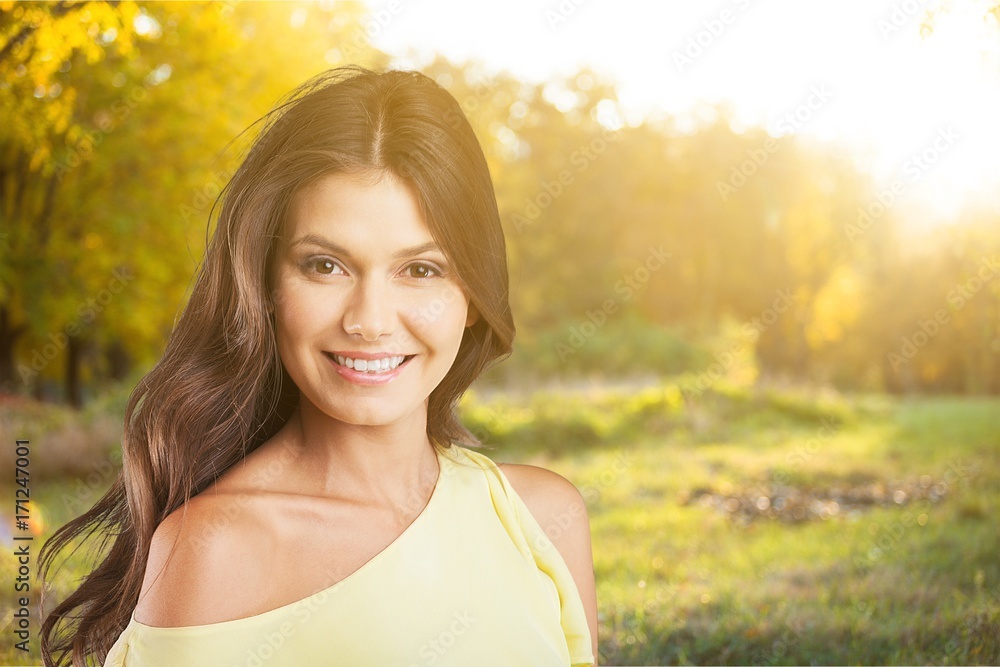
x=73 y=393
x=119 y=363
x=8 y=335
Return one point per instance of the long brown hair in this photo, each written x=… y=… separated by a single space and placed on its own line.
x=220 y=389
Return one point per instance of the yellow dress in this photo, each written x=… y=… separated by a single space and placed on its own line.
x=473 y=581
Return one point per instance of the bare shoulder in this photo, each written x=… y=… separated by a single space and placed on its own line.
x=559 y=508
x=198 y=564
x=547 y=494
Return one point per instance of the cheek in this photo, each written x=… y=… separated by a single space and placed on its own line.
x=296 y=313
x=292 y=312
x=439 y=313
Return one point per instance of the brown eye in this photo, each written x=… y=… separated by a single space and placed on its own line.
x=423 y=271
x=321 y=265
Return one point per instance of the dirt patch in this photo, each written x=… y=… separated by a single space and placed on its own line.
x=793 y=504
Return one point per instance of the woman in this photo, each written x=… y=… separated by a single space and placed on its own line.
x=296 y=487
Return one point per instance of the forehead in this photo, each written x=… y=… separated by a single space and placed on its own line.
x=358 y=209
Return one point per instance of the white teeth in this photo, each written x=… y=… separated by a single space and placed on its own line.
x=370 y=365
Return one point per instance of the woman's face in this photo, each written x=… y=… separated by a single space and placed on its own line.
x=359 y=282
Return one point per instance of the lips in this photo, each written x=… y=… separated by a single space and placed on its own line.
x=369 y=378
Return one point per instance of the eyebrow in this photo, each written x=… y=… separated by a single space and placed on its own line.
x=339 y=249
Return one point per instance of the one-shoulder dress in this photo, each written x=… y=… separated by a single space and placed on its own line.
x=472 y=581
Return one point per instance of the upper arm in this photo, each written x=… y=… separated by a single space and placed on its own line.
x=559 y=508
x=195 y=568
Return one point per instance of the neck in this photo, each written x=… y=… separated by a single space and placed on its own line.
x=391 y=465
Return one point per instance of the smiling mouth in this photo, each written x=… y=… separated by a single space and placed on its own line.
x=372 y=366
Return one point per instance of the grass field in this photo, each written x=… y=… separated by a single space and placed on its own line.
x=904 y=569
x=745 y=526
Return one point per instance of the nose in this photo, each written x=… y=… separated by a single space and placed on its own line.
x=370 y=311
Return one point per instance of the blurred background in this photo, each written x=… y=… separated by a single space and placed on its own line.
x=754 y=251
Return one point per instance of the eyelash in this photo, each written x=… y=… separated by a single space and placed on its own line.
x=311 y=262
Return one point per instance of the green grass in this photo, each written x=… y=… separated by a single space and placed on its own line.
x=682 y=582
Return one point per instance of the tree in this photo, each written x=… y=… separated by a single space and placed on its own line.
x=105 y=204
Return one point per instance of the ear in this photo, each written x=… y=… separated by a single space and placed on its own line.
x=473 y=315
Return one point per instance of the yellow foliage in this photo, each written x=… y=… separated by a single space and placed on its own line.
x=836 y=308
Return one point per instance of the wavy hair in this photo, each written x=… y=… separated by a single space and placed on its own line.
x=220 y=389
